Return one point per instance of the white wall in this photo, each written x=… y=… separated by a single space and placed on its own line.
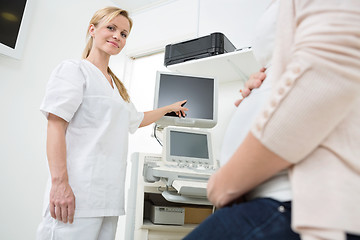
x=57 y=32
x=179 y=20
x=155 y=27
x=234 y=18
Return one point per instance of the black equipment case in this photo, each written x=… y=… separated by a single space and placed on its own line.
x=210 y=45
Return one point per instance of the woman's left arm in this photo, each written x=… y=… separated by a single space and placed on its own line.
x=154 y=115
x=251 y=164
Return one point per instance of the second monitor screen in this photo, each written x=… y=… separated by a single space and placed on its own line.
x=198 y=91
x=189 y=145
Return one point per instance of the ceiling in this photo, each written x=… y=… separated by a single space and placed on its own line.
x=137 y=5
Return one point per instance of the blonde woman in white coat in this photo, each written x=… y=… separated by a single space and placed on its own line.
x=89 y=116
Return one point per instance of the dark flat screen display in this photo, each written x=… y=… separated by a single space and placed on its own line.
x=188 y=145
x=198 y=91
x=10 y=21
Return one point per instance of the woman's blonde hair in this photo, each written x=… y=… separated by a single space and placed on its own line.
x=107 y=14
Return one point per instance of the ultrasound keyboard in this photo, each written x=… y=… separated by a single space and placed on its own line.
x=178 y=170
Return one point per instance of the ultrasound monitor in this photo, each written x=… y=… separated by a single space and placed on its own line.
x=188 y=146
x=200 y=93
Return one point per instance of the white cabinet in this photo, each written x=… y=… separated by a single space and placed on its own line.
x=138 y=226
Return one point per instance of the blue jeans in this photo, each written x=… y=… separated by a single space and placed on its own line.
x=262 y=218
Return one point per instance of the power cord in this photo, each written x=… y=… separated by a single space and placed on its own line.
x=155 y=127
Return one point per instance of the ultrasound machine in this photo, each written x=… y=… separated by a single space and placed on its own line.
x=187 y=160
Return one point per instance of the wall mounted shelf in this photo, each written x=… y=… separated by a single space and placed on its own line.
x=227 y=67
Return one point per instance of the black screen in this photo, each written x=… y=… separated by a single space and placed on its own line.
x=198 y=91
x=188 y=145
x=11 y=13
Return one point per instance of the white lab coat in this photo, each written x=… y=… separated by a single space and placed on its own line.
x=96 y=137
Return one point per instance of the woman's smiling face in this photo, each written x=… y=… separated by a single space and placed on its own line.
x=110 y=37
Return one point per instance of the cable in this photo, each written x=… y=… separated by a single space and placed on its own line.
x=155 y=126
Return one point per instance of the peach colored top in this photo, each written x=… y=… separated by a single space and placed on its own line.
x=312 y=118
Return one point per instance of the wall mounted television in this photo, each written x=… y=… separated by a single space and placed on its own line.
x=14 y=24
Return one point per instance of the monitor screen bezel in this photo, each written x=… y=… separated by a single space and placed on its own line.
x=183 y=159
x=187 y=121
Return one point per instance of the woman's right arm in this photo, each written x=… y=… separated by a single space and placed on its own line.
x=62 y=199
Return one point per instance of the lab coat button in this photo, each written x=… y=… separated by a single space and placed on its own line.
x=288 y=82
x=258 y=127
